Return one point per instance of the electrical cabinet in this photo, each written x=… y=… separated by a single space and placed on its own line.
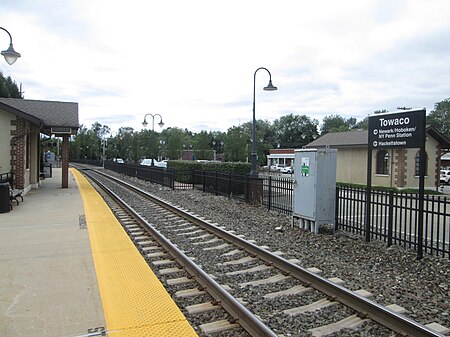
x=314 y=188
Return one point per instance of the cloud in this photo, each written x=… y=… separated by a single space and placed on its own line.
x=193 y=62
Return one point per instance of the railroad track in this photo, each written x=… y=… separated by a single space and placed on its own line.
x=261 y=291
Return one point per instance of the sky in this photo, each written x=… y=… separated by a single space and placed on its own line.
x=194 y=62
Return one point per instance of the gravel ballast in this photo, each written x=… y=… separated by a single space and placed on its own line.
x=393 y=275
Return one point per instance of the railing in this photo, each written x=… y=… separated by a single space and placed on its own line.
x=278 y=194
x=158 y=175
x=236 y=186
x=394 y=218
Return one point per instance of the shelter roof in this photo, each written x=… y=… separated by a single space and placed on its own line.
x=341 y=139
x=48 y=114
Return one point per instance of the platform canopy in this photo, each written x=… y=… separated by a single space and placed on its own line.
x=53 y=117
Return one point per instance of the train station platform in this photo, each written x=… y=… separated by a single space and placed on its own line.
x=68 y=269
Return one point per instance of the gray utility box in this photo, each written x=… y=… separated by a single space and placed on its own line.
x=314 y=188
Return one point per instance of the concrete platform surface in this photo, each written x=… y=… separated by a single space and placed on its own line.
x=48 y=284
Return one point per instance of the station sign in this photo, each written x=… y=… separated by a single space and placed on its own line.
x=397 y=129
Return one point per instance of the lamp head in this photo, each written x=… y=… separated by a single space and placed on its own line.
x=161 y=124
x=10 y=54
x=270 y=87
x=144 y=123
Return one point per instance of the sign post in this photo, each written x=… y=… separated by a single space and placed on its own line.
x=404 y=129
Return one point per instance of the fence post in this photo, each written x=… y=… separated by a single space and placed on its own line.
x=269 y=204
x=172 y=175
x=203 y=176
x=336 y=210
x=216 y=183
x=247 y=186
x=390 y=217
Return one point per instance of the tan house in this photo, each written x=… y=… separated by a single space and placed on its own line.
x=22 y=122
x=391 y=167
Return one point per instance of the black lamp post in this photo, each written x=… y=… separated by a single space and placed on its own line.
x=269 y=87
x=161 y=124
x=10 y=54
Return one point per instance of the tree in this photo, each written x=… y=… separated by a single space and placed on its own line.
x=336 y=123
x=265 y=138
x=295 y=131
x=8 y=88
x=176 y=140
x=236 y=146
x=362 y=125
x=125 y=139
x=440 y=117
x=218 y=140
x=203 y=145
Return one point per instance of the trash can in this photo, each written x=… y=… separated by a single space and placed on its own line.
x=4 y=198
x=47 y=170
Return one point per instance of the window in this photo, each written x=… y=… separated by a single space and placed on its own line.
x=382 y=162
x=416 y=161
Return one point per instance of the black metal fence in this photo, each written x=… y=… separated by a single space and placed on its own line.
x=394 y=218
x=236 y=186
x=158 y=175
x=278 y=194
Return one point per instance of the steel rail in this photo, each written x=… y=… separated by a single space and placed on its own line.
x=240 y=313
x=365 y=307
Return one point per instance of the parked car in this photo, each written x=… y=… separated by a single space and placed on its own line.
x=280 y=166
x=118 y=160
x=287 y=169
x=148 y=162
x=160 y=163
x=445 y=177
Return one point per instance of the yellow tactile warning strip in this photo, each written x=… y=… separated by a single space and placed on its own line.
x=135 y=303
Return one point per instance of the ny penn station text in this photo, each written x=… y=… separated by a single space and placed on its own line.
x=396 y=132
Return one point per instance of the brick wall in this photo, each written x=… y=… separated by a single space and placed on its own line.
x=400 y=169
x=65 y=162
x=18 y=149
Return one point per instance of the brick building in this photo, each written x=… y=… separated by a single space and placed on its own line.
x=23 y=123
x=283 y=157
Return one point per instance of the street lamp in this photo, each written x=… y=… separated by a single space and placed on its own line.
x=269 y=87
x=114 y=135
x=161 y=124
x=10 y=54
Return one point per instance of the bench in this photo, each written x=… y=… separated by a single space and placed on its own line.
x=14 y=194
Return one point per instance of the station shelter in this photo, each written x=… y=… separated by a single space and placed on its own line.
x=23 y=125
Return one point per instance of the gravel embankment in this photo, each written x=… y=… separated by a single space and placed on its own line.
x=393 y=275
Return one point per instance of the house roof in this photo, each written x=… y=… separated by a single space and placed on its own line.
x=360 y=138
x=48 y=114
x=282 y=151
x=341 y=139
